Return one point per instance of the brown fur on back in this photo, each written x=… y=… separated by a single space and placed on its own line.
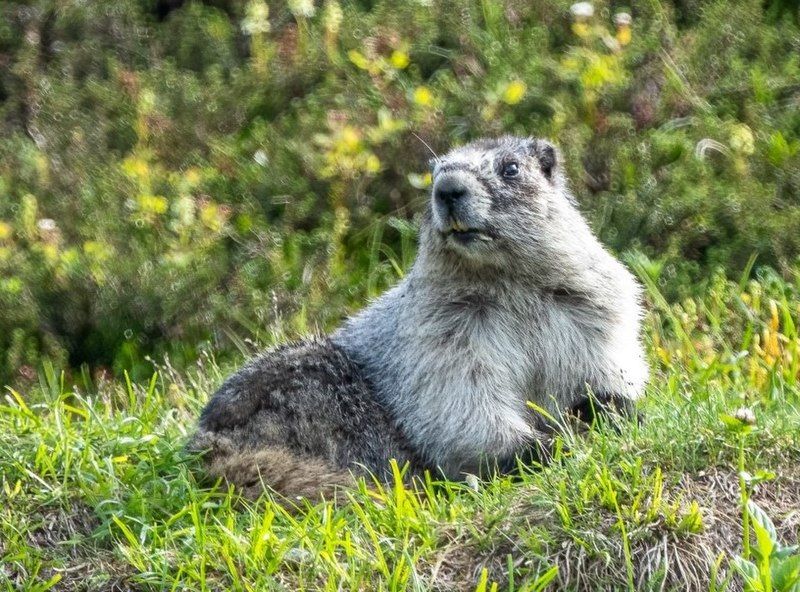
x=252 y=471
x=301 y=421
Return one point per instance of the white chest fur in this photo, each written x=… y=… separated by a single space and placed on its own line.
x=464 y=384
x=456 y=368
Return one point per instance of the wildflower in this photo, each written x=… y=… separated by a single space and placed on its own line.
x=745 y=415
x=46 y=225
x=423 y=96
x=623 y=22
x=399 y=60
x=582 y=11
x=420 y=181
x=152 y=204
x=349 y=139
x=303 y=8
x=359 y=59
x=332 y=17
x=256 y=19
x=212 y=215
x=742 y=140
x=192 y=176
x=261 y=157
x=514 y=92
x=372 y=164
x=5 y=230
x=96 y=250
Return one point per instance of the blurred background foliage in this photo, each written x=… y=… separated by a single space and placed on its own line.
x=186 y=176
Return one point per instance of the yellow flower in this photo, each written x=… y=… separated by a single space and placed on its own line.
x=420 y=181
x=350 y=139
x=96 y=250
x=774 y=320
x=153 y=204
x=212 y=216
x=135 y=167
x=624 y=35
x=581 y=29
x=514 y=92
x=358 y=59
x=192 y=176
x=373 y=164
x=423 y=96
x=5 y=230
x=742 y=140
x=399 y=59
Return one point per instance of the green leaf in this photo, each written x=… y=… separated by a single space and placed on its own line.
x=765 y=542
x=760 y=517
x=761 y=476
x=544 y=579
x=785 y=552
x=749 y=573
x=735 y=425
x=786 y=574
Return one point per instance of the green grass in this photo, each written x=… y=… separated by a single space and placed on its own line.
x=97 y=491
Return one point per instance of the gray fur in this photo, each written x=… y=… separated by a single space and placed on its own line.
x=523 y=304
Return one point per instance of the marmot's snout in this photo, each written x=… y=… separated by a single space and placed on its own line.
x=460 y=206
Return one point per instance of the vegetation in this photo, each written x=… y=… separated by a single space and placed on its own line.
x=182 y=182
x=98 y=492
x=177 y=176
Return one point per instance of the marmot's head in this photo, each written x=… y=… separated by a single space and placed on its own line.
x=490 y=199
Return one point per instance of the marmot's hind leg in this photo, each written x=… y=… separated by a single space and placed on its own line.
x=274 y=468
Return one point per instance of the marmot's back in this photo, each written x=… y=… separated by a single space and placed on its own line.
x=297 y=419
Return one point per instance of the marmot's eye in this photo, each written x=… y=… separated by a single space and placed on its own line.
x=511 y=169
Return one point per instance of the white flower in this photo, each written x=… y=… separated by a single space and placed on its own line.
x=261 y=157
x=582 y=10
x=745 y=415
x=46 y=224
x=257 y=19
x=304 y=8
x=623 y=19
x=332 y=16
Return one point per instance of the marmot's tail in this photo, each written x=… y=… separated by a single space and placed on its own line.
x=278 y=469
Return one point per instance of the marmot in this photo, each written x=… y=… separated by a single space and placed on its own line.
x=511 y=299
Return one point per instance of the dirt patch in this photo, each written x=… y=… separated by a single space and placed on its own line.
x=593 y=559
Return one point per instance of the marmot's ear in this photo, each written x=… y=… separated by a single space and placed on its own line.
x=547 y=155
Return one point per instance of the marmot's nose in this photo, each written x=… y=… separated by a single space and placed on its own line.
x=449 y=189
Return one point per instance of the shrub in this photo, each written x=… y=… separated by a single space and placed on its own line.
x=178 y=174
